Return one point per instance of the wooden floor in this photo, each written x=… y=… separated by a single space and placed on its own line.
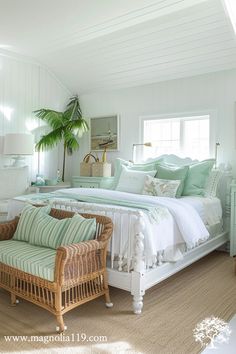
x=171 y=311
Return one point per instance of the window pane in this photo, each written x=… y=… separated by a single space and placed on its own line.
x=186 y=136
x=164 y=134
x=196 y=138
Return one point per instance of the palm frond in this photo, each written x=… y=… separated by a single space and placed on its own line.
x=67 y=126
x=71 y=142
x=50 y=140
x=53 y=118
x=77 y=127
x=73 y=111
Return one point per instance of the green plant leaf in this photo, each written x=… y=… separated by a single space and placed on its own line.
x=50 y=140
x=71 y=142
x=53 y=118
x=73 y=111
x=77 y=127
x=67 y=126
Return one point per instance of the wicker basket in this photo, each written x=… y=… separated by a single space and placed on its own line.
x=86 y=165
x=101 y=169
x=85 y=169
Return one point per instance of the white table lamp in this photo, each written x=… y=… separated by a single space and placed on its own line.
x=18 y=145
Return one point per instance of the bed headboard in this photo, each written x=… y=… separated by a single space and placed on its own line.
x=173 y=159
x=223 y=190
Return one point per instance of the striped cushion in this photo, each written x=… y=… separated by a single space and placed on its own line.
x=39 y=261
x=80 y=229
x=27 y=220
x=48 y=231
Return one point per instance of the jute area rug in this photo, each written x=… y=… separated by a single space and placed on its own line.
x=171 y=311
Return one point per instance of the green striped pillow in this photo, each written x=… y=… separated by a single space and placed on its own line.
x=79 y=230
x=27 y=220
x=48 y=231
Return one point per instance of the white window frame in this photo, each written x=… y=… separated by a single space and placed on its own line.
x=186 y=114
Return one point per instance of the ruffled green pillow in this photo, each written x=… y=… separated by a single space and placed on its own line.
x=197 y=176
x=170 y=172
x=145 y=166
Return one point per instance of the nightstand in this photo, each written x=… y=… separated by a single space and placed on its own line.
x=92 y=182
x=47 y=189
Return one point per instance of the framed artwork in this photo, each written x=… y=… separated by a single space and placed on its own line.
x=104 y=133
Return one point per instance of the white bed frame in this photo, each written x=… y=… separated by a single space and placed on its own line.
x=133 y=273
x=140 y=278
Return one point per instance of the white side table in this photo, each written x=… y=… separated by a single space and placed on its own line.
x=47 y=189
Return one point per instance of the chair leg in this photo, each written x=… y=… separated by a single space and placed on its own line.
x=14 y=300
x=58 y=304
x=108 y=299
x=61 y=326
x=107 y=293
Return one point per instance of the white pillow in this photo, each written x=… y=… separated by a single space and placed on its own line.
x=160 y=187
x=132 y=181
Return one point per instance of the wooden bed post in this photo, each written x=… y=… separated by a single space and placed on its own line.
x=137 y=279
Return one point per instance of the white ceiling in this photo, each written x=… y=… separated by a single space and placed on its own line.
x=96 y=45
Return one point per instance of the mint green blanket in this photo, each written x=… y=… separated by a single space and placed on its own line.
x=156 y=213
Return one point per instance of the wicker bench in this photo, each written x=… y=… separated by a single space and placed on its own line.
x=79 y=275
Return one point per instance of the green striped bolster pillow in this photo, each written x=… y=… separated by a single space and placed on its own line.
x=27 y=220
x=79 y=230
x=48 y=231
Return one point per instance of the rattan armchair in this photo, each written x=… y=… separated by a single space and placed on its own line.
x=80 y=272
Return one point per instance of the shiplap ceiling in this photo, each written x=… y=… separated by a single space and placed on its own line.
x=96 y=45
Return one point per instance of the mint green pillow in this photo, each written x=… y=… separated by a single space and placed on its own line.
x=27 y=220
x=145 y=166
x=132 y=181
x=48 y=231
x=168 y=172
x=197 y=177
x=79 y=230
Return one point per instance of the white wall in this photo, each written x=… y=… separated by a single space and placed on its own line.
x=25 y=87
x=215 y=92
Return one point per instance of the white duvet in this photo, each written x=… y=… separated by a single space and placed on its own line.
x=190 y=224
x=180 y=224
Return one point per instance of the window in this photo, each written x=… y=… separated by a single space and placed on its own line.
x=182 y=136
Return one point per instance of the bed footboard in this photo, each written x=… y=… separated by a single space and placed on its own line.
x=125 y=248
x=130 y=257
x=127 y=265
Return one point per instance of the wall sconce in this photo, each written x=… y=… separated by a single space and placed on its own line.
x=216 y=153
x=149 y=144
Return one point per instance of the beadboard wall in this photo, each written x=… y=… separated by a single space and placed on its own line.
x=211 y=92
x=24 y=87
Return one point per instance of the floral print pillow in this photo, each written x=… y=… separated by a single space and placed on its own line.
x=160 y=187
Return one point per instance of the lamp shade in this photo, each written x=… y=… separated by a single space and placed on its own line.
x=18 y=144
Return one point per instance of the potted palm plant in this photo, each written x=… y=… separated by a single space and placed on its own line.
x=65 y=126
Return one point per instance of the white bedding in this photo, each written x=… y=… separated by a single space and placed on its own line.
x=193 y=231
x=209 y=209
x=183 y=221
